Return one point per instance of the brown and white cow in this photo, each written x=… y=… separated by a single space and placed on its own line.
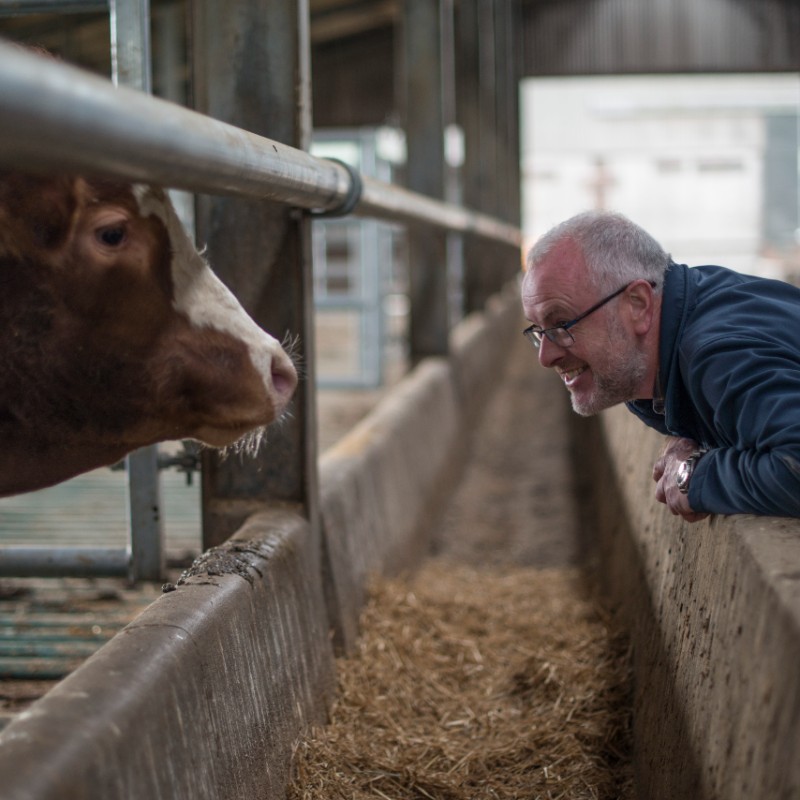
x=115 y=334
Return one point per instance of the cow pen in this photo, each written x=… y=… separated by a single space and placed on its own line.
x=206 y=691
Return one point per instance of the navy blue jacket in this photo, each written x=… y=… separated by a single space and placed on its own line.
x=729 y=370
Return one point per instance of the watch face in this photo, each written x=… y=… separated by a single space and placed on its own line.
x=684 y=473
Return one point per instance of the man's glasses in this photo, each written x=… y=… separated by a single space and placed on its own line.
x=559 y=334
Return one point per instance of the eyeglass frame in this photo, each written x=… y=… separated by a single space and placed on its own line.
x=534 y=333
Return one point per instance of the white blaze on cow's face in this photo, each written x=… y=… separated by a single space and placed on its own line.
x=115 y=333
x=206 y=302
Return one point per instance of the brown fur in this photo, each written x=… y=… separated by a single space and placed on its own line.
x=94 y=360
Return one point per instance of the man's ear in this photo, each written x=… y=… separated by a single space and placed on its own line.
x=642 y=303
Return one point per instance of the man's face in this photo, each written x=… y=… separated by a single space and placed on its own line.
x=606 y=364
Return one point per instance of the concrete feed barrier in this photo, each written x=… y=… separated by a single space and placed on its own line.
x=478 y=346
x=714 y=611
x=200 y=696
x=381 y=485
x=204 y=693
x=385 y=482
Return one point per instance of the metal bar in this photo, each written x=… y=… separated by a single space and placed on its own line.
x=252 y=71
x=483 y=183
x=129 y=22
x=386 y=201
x=65 y=648
x=78 y=622
x=50 y=636
x=424 y=123
x=50 y=669
x=345 y=303
x=130 y=44
x=16 y=8
x=53 y=116
x=146 y=526
x=79 y=562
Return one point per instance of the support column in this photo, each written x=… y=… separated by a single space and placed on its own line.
x=508 y=22
x=425 y=173
x=252 y=70
x=488 y=73
x=507 y=78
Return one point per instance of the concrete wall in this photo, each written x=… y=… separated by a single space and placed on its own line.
x=385 y=482
x=204 y=693
x=199 y=694
x=714 y=611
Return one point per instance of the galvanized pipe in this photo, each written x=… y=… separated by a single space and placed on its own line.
x=15 y=8
x=53 y=116
x=71 y=647
x=45 y=561
x=386 y=201
x=43 y=669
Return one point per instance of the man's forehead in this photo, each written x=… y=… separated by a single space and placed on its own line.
x=564 y=258
x=560 y=276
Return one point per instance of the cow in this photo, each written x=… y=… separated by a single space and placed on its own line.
x=116 y=334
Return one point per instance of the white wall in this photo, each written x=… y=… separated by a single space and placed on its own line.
x=680 y=155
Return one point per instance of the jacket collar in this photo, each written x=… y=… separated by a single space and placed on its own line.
x=673 y=315
x=679 y=299
x=662 y=412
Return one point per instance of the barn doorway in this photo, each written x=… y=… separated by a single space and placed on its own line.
x=707 y=163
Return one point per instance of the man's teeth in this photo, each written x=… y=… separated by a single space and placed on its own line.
x=570 y=375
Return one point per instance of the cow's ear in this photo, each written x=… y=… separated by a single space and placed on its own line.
x=41 y=209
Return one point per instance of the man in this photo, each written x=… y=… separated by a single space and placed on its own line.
x=707 y=356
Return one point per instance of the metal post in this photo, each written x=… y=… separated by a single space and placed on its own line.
x=477 y=114
x=130 y=43
x=425 y=173
x=453 y=157
x=507 y=76
x=513 y=67
x=57 y=117
x=131 y=66
x=145 y=520
x=252 y=70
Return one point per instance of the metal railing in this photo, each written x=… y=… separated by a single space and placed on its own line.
x=143 y=556
x=57 y=117
x=53 y=116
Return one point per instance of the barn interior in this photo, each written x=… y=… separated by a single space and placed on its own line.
x=426 y=96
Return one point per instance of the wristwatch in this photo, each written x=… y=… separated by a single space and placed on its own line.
x=685 y=470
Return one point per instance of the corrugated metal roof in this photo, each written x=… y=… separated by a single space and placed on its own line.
x=590 y=37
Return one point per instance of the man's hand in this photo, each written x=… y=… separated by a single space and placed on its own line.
x=665 y=472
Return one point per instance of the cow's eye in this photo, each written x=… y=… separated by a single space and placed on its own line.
x=111 y=236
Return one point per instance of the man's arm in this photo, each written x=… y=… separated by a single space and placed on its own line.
x=748 y=391
x=665 y=473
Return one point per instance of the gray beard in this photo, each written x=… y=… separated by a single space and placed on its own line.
x=622 y=375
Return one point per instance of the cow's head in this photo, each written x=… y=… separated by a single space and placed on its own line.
x=116 y=334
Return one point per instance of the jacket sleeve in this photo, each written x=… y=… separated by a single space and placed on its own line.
x=748 y=391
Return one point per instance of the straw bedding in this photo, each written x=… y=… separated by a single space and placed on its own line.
x=492 y=673
x=479 y=684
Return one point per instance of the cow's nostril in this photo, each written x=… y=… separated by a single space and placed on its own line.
x=284 y=377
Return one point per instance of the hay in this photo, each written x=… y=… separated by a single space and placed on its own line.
x=476 y=684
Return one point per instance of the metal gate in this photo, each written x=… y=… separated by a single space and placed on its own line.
x=140 y=506
x=360 y=271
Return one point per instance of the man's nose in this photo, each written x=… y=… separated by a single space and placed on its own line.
x=549 y=352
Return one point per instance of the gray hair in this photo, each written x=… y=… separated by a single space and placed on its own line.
x=615 y=249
